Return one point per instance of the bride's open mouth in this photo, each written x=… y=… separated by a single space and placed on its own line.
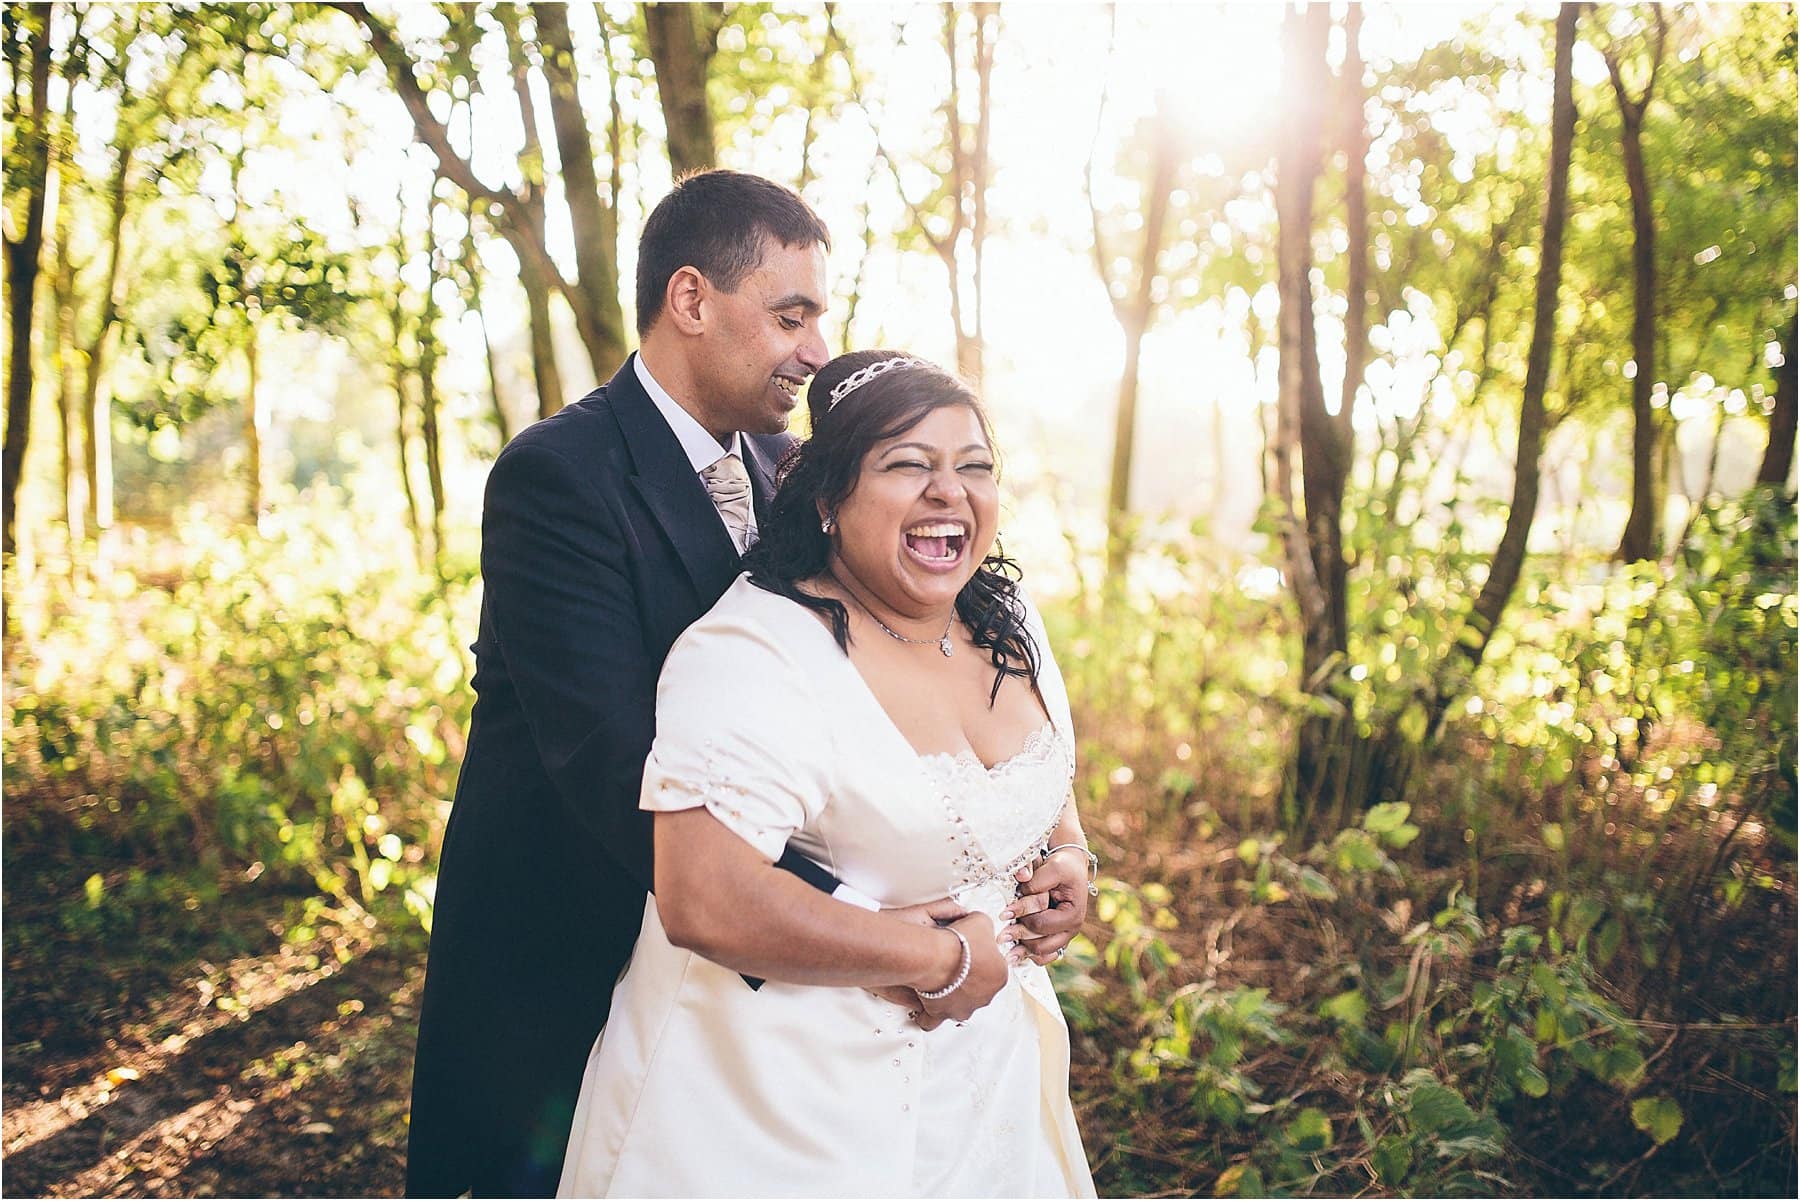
x=937 y=544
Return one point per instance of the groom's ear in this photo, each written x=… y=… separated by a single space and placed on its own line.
x=685 y=301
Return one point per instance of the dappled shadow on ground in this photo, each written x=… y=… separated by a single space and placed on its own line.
x=279 y=1074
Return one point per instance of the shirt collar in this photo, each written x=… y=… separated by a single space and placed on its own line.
x=703 y=450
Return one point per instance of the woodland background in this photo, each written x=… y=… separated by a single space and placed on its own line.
x=1398 y=411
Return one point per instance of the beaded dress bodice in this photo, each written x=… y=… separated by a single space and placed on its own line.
x=1000 y=816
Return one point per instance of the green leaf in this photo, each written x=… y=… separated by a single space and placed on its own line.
x=1392 y=1160
x=1606 y=941
x=1354 y=851
x=1659 y=1117
x=1401 y=837
x=1349 y=1007
x=1582 y=915
x=1434 y=1109
x=1239 y=1180
x=1386 y=817
x=1553 y=989
x=1316 y=886
x=1622 y=1066
x=95 y=888
x=1309 y=1133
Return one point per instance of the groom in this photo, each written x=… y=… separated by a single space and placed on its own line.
x=607 y=529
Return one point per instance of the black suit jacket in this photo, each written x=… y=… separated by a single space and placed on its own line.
x=599 y=546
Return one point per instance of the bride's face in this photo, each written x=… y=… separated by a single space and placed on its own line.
x=922 y=514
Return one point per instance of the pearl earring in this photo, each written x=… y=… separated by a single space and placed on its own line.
x=826 y=524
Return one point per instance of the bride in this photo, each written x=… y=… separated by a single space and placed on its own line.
x=877 y=690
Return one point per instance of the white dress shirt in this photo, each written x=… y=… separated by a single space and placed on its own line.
x=702 y=449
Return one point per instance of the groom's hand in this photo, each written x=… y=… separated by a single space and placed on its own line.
x=1050 y=908
x=940 y=912
x=931 y=913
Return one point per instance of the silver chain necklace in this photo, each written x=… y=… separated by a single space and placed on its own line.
x=942 y=640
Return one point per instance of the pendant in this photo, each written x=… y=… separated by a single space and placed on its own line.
x=944 y=645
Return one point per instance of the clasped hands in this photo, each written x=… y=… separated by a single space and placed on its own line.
x=1040 y=922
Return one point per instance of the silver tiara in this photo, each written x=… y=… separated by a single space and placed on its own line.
x=863 y=375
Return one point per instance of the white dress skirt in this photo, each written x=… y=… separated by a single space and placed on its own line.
x=700 y=1086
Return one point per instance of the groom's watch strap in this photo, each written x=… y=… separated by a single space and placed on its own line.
x=816 y=875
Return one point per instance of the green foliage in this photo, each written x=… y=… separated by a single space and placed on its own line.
x=1562 y=847
x=281 y=709
x=1659 y=1117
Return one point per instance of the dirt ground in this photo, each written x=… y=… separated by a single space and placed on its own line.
x=281 y=1071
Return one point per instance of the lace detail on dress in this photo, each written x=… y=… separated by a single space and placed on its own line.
x=1001 y=816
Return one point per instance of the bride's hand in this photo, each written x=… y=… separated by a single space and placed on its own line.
x=1049 y=910
x=931 y=914
x=987 y=972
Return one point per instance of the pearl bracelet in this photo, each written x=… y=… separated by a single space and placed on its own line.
x=1093 y=863
x=962 y=971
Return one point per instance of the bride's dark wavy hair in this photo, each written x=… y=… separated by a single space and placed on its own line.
x=821 y=472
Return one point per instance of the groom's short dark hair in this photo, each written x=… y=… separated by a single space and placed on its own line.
x=716 y=222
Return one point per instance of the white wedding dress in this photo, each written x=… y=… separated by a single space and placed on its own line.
x=702 y=1087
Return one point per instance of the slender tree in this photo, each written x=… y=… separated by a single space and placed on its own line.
x=1778 y=459
x=26 y=30
x=1509 y=556
x=61 y=335
x=544 y=369
x=1304 y=436
x=1640 y=538
x=1134 y=308
x=683 y=39
x=429 y=352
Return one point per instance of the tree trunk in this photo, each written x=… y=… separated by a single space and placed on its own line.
x=543 y=346
x=1356 y=229
x=403 y=435
x=1315 y=543
x=1643 y=527
x=1509 y=556
x=96 y=413
x=1134 y=318
x=428 y=403
x=683 y=39
x=595 y=225
x=546 y=377
x=32 y=157
x=972 y=349
x=61 y=337
x=1778 y=459
x=1301 y=396
x=253 y=424
x=1338 y=437
x=496 y=405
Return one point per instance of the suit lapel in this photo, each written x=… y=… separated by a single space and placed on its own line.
x=671 y=489
x=759 y=460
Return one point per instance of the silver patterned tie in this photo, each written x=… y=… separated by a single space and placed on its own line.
x=729 y=486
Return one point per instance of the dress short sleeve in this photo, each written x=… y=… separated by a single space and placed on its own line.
x=737 y=730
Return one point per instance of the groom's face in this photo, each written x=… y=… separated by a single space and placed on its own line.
x=763 y=341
